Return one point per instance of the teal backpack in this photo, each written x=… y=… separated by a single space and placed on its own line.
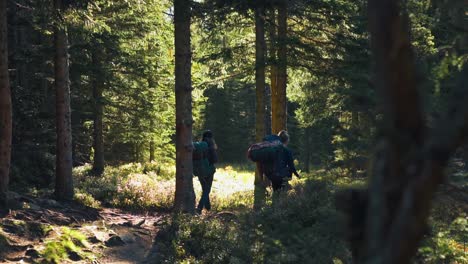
x=201 y=165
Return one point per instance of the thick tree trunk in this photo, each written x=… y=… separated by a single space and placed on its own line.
x=404 y=133
x=279 y=101
x=388 y=220
x=98 y=140
x=64 y=179
x=5 y=107
x=260 y=49
x=184 y=194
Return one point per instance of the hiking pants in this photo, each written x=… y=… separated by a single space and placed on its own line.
x=277 y=183
x=206 y=183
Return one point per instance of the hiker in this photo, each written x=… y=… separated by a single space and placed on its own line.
x=284 y=138
x=205 y=157
x=286 y=164
x=274 y=158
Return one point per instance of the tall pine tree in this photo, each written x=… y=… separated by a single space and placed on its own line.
x=64 y=161
x=184 y=195
x=5 y=106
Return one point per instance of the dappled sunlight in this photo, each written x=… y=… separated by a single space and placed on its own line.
x=306 y=211
x=146 y=186
x=228 y=181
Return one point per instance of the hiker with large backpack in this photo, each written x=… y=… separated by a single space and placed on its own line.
x=204 y=158
x=275 y=159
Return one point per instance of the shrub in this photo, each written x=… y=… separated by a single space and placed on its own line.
x=298 y=225
x=446 y=243
x=125 y=186
x=67 y=243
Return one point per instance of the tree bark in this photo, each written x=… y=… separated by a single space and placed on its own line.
x=151 y=143
x=151 y=151
x=272 y=30
x=138 y=151
x=308 y=148
x=184 y=194
x=388 y=220
x=98 y=139
x=260 y=49
x=404 y=132
x=267 y=97
x=5 y=107
x=64 y=179
x=279 y=101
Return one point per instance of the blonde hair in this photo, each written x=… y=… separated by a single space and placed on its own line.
x=284 y=136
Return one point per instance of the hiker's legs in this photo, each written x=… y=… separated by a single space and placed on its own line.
x=277 y=184
x=206 y=183
x=207 y=190
x=201 y=203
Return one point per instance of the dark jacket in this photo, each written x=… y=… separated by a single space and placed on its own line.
x=212 y=155
x=290 y=162
x=285 y=165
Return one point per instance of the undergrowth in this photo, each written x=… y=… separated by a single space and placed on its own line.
x=297 y=225
x=447 y=237
x=146 y=187
x=132 y=186
x=300 y=224
x=69 y=244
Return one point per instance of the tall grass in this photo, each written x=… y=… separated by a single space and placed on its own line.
x=297 y=226
x=151 y=186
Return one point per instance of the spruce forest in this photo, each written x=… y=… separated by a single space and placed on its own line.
x=234 y=131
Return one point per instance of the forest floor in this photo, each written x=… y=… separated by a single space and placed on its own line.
x=43 y=230
x=89 y=230
x=300 y=224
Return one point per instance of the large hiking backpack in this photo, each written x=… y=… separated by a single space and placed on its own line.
x=276 y=168
x=270 y=153
x=201 y=164
x=264 y=151
x=272 y=138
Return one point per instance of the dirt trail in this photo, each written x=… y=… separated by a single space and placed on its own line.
x=111 y=235
x=136 y=231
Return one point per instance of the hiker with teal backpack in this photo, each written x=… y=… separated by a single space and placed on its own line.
x=204 y=158
x=275 y=158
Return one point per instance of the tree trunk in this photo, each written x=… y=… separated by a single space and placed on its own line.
x=260 y=49
x=5 y=107
x=138 y=151
x=279 y=101
x=151 y=151
x=267 y=98
x=135 y=152
x=151 y=143
x=272 y=30
x=184 y=194
x=388 y=220
x=64 y=179
x=308 y=148
x=98 y=140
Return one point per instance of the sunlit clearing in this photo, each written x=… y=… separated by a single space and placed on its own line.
x=228 y=181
